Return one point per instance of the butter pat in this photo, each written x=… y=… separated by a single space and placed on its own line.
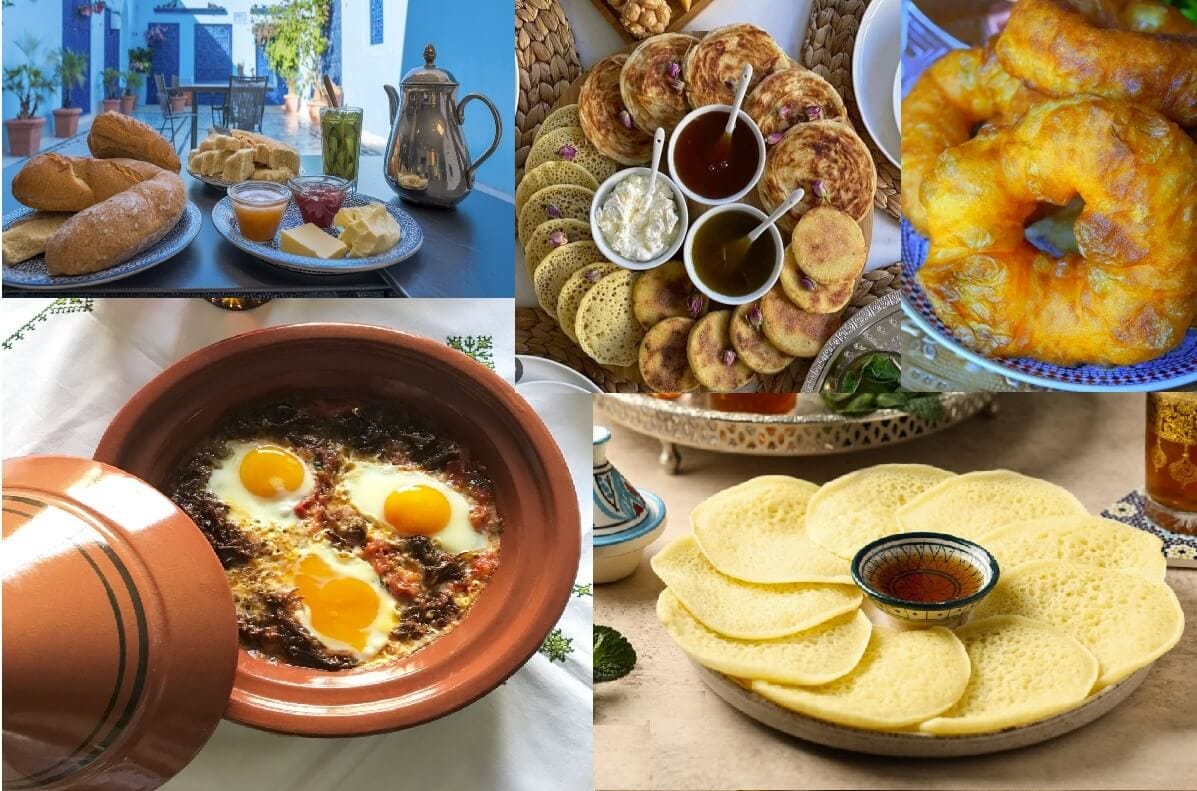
x=311 y=242
x=368 y=230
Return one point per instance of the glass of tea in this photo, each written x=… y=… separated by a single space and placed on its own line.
x=1171 y=491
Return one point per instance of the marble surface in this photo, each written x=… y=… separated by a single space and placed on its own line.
x=660 y=728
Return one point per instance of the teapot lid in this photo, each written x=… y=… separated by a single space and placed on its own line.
x=429 y=74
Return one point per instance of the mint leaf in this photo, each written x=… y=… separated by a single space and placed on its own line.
x=614 y=656
x=928 y=407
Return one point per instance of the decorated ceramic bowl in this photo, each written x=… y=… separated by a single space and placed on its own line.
x=534 y=494
x=930 y=579
x=626 y=519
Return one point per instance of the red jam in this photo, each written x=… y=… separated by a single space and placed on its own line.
x=319 y=198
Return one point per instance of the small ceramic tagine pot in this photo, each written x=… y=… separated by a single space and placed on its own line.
x=626 y=520
x=925 y=579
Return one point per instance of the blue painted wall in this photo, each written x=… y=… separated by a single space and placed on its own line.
x=76 y=35
x=164 y=59
x=473 y=43
x=213 y=57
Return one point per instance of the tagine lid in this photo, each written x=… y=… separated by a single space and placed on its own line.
x=120 y=634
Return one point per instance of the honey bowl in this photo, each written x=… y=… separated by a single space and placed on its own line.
x=927 y=579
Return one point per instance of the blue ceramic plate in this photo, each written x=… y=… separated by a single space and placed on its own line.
x=32 y=274
x=410 y=240
x=926 y=44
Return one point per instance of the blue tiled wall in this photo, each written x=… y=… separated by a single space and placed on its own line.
x=213 y=58
x=376 y=22
x=112 y=43
x=76 y=35
x=332 y=56
x=165 y=60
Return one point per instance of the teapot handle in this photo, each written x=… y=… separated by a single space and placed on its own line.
x=494 y=111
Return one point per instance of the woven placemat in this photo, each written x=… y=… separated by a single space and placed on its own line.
x=827 y=50
x=538 y=334
x=548 y=62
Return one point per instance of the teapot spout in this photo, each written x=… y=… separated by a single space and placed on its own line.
x=393 y=98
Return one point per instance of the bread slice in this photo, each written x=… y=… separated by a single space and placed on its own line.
x=28 y=238
x=239 y=166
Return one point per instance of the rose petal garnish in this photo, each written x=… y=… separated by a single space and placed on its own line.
x=728 y=357
x=696 y=305
x=677 y=85
x=755 y=317
x=784 y=111
x=807 y=283
x=674 y=70
x=731 y=86
x=774 y=138
x=558 y=238
x=592 y=275
x=625 y=118
x=567 y=152
x=552 y=211
x=819 y=189
x=814 y=112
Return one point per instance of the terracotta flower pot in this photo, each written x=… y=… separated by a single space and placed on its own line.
x=178 y=104
x=314 y=106
x=290 y=103
x=24 y=135
x=112 y=105
x=128 y=103
x=66 y=121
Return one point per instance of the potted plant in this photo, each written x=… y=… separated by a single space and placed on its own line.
x=178 y=102
x=30 y=83
x=70 y=71
x=295 y=40
x=141 y=60
x=111 y=79
x=133 y=82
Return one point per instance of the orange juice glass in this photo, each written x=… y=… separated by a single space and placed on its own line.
x=259 y=206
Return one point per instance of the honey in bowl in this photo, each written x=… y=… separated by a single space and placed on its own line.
x=927 y=578
x=717 y=249
x=707 y=164
x=259 y=207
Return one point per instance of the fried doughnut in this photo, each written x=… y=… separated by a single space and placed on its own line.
x=1130 y=293
x=962 y=89
x=1140 y=51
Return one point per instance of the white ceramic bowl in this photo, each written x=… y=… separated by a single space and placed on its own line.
x=727 y=299
x=898 y=99
x=616 y=561
x=875 y=59
x=600 y=197
x=744 y=119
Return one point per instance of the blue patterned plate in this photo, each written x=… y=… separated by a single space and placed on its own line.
x=926 y=44
x=410 y=240
x=32 y=274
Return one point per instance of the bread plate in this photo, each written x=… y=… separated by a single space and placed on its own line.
x=33 y=275
x=914 y=744
x=410 y=240
x=215 y=182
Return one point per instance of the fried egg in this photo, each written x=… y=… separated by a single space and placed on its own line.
x=261 y=482
x=411 y=503
x=345 y=605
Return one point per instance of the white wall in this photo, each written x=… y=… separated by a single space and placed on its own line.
x=365 y=68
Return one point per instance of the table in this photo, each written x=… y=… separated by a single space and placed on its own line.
x=785 y=19
x=660 y=728
x=194 y=88
x=454 y=261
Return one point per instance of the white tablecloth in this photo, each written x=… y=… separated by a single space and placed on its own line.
x=785 y=19
x=69 y=365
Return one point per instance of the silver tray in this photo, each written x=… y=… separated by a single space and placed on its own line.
x=875 y=327
x=808 y=430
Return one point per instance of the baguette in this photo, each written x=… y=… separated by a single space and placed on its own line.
x=118 y=228
x=115 y=135
x=52 y=182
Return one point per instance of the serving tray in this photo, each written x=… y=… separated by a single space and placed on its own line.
x=410 y=240
x=33 y=275
x=914 y=744
x=875 y=327
x=809 y=430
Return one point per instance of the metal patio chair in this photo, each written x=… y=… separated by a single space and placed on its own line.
x=245 y=103
x=176 y=120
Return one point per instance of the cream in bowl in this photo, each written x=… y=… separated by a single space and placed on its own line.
x=721 y=261
x=634 y=227
x=711 y=168
x=931 y=579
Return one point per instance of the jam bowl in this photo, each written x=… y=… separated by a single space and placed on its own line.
x=319 y=198
x=929 y=579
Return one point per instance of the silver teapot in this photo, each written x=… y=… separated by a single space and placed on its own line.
x=427 y=160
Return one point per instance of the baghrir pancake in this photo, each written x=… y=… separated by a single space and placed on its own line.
x=818 y=156
x=650 y=82
x=714 y=65
x=606 y=121
x=1090 y=540
x=663 y=362
x=792 y=96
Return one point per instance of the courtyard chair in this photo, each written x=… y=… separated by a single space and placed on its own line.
x=244 y=104
x=176 y=120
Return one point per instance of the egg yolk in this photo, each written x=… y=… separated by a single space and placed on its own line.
x=269 y=471
x=342 y=608
x=417 y=510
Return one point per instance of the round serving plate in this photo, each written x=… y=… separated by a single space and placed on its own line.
x=875 y=58
x=926 y=43
x=914 y=744
x=411 y=239
x=809 y=430
x=33 y=275
x=212 y=181
x=875 y=327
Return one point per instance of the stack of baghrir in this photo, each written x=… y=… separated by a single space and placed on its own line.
x=761 y=591
x=657 y=324
x=240 y=156
x=96 y=212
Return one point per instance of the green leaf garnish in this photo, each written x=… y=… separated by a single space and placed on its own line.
x=614 y=656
